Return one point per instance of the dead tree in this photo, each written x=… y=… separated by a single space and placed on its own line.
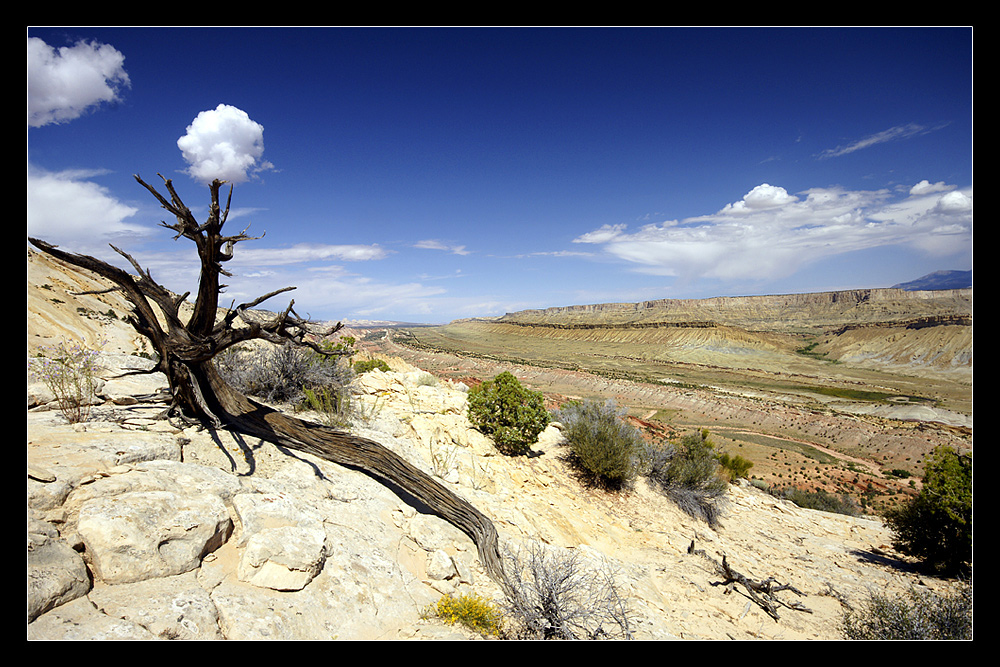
x=186 y=350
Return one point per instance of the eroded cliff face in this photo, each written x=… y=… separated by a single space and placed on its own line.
x=825 y=336
x=787 y=312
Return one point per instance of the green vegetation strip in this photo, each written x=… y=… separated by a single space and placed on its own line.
x=856 y=394
x=779 y=443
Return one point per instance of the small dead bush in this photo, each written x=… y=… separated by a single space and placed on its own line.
x=557 y=594
x=918 y=614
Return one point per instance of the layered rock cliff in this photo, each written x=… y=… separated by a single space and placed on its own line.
x=787 y=312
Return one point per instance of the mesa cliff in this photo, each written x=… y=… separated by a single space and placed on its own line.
x=779 y=313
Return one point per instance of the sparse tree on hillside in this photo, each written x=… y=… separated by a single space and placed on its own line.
x=186 y=350
x=936 y=526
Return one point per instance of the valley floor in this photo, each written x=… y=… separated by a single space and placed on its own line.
x=793 y=438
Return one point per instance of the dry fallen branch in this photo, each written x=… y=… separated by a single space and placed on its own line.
x=760 y=592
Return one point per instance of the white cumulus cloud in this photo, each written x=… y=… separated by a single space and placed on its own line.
x=763 y=196
x=64 y=83
x=69 y=207
x=926 y=187
x=771 y=234
x=223 y=143
x=954 y=203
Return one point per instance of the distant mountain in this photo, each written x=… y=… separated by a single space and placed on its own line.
x=382 y=324
x=939 y=280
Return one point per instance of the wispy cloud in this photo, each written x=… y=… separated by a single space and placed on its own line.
x=892 y=134
x=434 y=244
x=96 y=215
x=333 y=288
x=342 y=293
x=302 y=253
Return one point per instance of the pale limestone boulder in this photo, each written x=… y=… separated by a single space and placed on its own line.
x=163 y=475
x=432 y=534
x=56 y=572
x=125 y=390
x=550 y=439
x=76 y=454
x=376 y=382
x=142 y=535
x=175 y=607
x=440 y=566
x=39 y=394
x=80 y=620
x=435 y=400
x=363 y=592
x=284 y=559
x=436 y=429
x=271 y=509
x=45 y=491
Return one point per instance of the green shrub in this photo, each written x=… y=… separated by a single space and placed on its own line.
x=736 y=467
x=510 y=414
x=281 y=374
x=472 y=611
x=370 y=365
x=690 y=474
x=602 y=443
x=333 y=403
x=822 y=500
x=936 y=526
x=691 y=463
x=916 y=615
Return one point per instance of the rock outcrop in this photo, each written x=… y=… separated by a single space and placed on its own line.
x=139 y=529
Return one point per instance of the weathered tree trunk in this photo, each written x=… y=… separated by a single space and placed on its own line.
x=255 y=420
x=186 y=350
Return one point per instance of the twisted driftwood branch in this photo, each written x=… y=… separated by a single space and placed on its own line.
x=761 y=592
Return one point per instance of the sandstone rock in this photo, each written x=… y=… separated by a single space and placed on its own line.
x=202 y=535
x=259 y=511
x=124 y=390
x=173 y=607
x=80 y=620
x=319 y=552
x=56 y=572
x=440 y=566
x=142 y=535
x=284 y=558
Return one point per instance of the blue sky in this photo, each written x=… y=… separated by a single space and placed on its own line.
x=425 y=175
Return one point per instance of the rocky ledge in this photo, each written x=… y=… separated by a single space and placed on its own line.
x=143 y=529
